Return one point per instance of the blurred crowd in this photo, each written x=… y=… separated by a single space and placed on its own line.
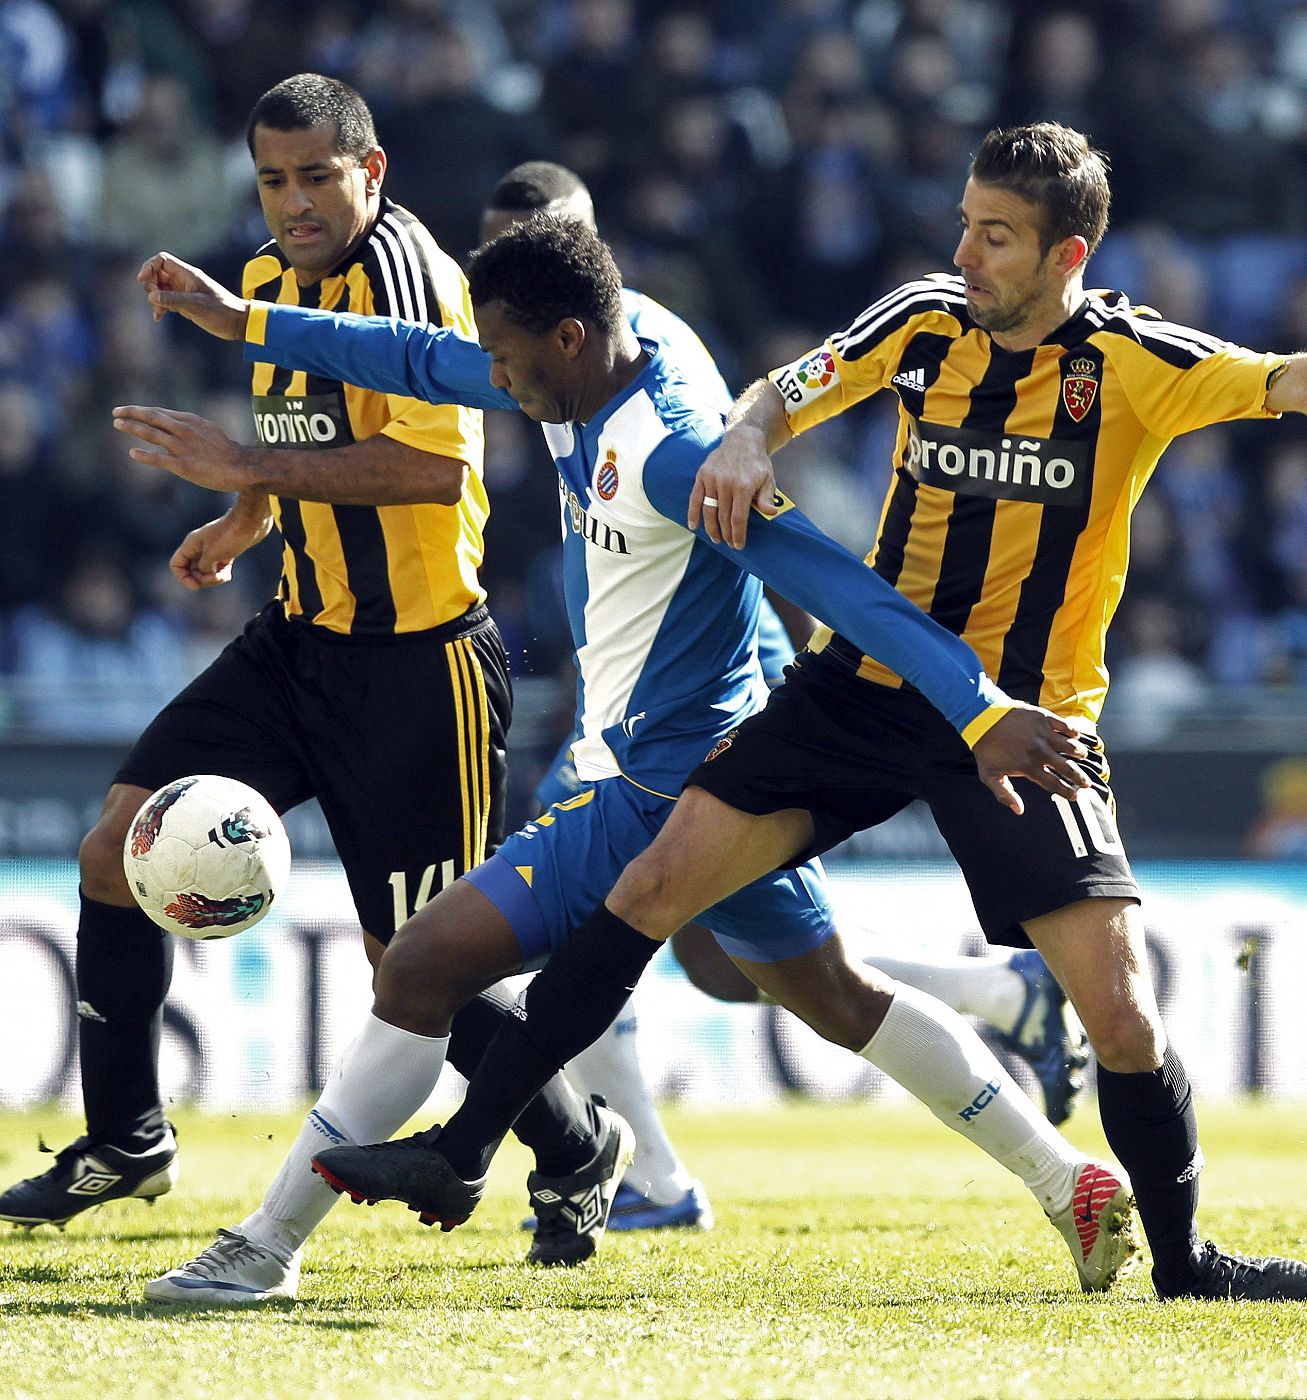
x=764 y=167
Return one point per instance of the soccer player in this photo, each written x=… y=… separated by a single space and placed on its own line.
x=376 y=682
x=1032 y=414
x=665 y=626
x=1016 y=994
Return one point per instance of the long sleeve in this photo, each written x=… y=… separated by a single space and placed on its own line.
x=395 y=357
x=809 y=568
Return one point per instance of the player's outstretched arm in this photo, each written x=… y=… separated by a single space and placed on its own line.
x=737 y=475
x=420 y=361
x=809 y=568
x=173 y=285
x=377 y=471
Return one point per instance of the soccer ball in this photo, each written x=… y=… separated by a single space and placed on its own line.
x=205 y=857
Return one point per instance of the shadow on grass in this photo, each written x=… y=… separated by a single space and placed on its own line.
x=322 y=1316
x=20 y=1237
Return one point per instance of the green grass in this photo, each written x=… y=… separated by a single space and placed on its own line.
x=860 y=1251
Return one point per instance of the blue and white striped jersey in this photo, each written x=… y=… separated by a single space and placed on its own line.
x=664 y=621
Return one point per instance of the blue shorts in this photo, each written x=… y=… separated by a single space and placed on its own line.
x=561 y=781
x=548 y=877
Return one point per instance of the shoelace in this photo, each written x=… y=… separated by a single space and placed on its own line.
x=228 y=1249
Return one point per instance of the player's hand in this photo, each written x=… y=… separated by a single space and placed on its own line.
x=205 y=557
x=173 y=285
x=1031 y=743
x=735 y=477
x=188 y=446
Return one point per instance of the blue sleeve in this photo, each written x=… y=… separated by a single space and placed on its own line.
x=802 y=564
x=425 y=362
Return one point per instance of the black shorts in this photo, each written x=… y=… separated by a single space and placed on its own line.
x=852 y=753
x=400 y=738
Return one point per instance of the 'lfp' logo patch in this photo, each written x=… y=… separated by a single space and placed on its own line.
x=606 y=477
x=817 y=371
x=1079 y=388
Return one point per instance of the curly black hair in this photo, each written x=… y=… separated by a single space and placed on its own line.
x=308 y=99
x=545 y=270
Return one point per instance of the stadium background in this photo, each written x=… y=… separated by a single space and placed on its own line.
x=765 y=169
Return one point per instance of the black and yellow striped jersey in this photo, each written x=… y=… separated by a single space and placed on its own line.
x=1007 y=518
x=374 y=569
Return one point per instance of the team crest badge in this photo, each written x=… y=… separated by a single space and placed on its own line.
x=1079 y=388
x=606 y=477
x=721 y=745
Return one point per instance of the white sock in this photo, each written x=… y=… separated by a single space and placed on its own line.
x=934 y=1054
x=379 y=1082
x=985 y=987
x=611 y=1067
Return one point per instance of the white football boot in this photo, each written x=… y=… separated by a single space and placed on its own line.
x=232 y=1272
x=1099 y=1226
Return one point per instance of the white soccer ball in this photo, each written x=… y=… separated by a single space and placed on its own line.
x=206 y=856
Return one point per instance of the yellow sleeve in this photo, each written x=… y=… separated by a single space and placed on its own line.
x=446 y=429
x=983 y=723
x=861 y=359
x=1177 y=388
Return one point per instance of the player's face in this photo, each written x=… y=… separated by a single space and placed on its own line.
x=317 y=201
x=535 y=369
x=1011 y=285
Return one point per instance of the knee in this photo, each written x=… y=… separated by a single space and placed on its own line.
x=648 y=895
x=100 y=862
x=416 y=984
x=1127 y=1040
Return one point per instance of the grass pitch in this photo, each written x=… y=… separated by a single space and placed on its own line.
x=860 y=1251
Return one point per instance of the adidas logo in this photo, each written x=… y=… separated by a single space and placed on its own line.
x=911 y=379
x=1192 y=1171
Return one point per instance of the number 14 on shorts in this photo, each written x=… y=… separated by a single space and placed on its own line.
x=399 y=889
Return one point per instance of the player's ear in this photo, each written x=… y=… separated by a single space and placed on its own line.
x=374 y=163
x=1070 y=254
x=571 y=335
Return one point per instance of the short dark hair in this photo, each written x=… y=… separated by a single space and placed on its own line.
x=546 y=269
x=308 y=99
x=1054 y=168
x=535 y=184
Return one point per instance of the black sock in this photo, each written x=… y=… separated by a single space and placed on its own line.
x=567 y=1007
x=1150 y=1124
x=556 y=1125
x=124 y=968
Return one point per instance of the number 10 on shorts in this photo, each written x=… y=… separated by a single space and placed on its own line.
x=1088 y=819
